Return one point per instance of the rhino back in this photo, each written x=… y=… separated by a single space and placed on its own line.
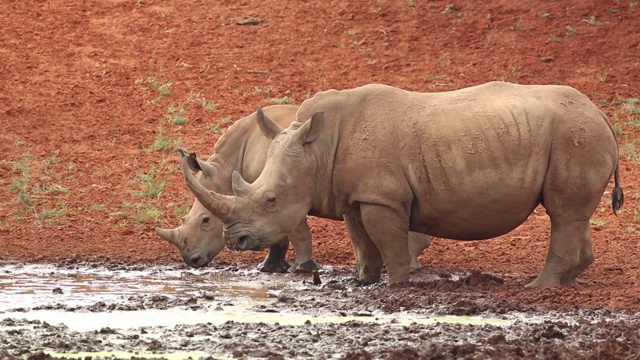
x=447 y=157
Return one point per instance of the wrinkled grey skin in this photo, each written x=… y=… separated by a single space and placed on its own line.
x=467 y=165
x=244 y=148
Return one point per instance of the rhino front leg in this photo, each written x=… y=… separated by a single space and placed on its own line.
x=276 y=260
x=301 y=240
x=570 y=252
x=389 y=231
x=417 y=244
x=368 y=257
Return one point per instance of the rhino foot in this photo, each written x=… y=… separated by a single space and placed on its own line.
x=270 y=265
x=306 y=267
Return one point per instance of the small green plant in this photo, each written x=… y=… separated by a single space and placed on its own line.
x=163 y=88
x=147 y=214
x=632 y=105
x=258 y=90
x=448 y=8
x=593 y=21
x=571 y=31
x=21 y=183
x=628 y=151
x=181 y=211
x=215 y=128
x=98 y=207
x=411 y=3
x=49 y=214
x=177 y=114
x=152 y=185
x=544 y=15
x=597 y=223
x=617 y=130
x=554 y=38
x=161 y=142
x=282 y=100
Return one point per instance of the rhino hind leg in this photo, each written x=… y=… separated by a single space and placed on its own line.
x=368 y=257
x=570 y=253
x=417 y=244
x=276 y=261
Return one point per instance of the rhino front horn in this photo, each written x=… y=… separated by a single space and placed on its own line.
x=167 y=234
x=219 y=205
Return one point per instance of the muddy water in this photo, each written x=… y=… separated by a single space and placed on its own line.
x=45 y=289
x=114 y=311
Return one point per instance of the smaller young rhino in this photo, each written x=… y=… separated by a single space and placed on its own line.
x=242 y=148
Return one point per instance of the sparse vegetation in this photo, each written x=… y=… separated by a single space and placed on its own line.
x=37 y=182
x=449 y=8
x=146 y=192
x=161 y=142
x=593 y=21
x=215 y=128
x=282 y=100
x=571 y=31
x=597 y=223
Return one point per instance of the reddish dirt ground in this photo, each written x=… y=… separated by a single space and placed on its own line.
x=85 y=89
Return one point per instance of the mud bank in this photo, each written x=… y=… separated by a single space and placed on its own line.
x=118 y=312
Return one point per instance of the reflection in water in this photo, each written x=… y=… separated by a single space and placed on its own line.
x=31 y=286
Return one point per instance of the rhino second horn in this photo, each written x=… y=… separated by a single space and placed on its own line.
x=167 y=234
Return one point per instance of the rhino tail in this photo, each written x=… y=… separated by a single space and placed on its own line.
x=617 y=196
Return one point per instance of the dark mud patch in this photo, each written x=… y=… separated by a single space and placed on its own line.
x=438 y=315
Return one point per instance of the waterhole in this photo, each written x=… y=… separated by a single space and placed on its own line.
x=117 y=304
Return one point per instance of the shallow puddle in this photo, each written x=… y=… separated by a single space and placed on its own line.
x=31 y=286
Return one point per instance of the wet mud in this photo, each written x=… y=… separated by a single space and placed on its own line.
x=122 y=312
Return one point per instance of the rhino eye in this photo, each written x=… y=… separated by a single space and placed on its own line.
x=271 y=200
x=205 y=220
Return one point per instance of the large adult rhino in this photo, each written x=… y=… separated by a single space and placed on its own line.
x=467 y=164
x=244 y=148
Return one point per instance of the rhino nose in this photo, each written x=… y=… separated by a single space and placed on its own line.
x=241 y=243
x=196 y=260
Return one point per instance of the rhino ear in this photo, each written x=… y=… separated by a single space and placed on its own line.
x=268 y=127
x=241 y=188
x=196 y=164
x=311 y=129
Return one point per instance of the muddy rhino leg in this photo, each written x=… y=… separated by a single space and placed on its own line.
x=389 y=231
x=301 y=240
x=276 y=261
x=573 y=186
x=417 y=244
x=368 y=256
x=570 y=252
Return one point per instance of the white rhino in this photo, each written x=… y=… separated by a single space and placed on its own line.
x=244 y=148
x=467 y=164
